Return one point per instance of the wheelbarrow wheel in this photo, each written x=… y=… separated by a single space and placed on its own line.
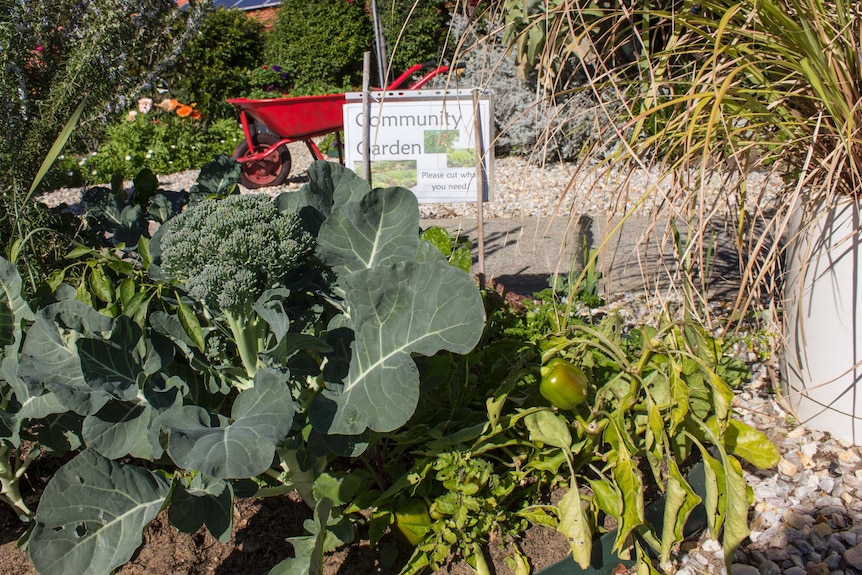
x=269 y=171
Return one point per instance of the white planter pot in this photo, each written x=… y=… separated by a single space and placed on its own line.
x=822 y=361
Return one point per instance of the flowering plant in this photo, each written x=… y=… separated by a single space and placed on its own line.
x=145 y=105
x=269 y=82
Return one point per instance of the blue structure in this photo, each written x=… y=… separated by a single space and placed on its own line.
x=247 y=4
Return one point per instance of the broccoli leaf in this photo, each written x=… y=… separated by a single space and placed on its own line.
x=329 y=186
x=380 y=229
x=92 y=515
x=205 y=501
x=244 y=447
x=397 y=310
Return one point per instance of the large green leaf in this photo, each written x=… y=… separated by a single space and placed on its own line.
x=110 y=368
x=92 y=515
x=205 y=501
x=118 y=429
x=48 y=359
x=13 y=307
x=549 y=428
x=380 y=229
x=243 y=447
x=33 y=402
x=396 y=311
x=330 y=185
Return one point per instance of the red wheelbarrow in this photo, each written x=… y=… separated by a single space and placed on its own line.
x=270 y=124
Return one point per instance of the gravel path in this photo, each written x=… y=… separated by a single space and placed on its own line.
x=521 y=189
x=807 y=516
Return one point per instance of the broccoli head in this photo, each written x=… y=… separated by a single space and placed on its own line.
x=227 y=252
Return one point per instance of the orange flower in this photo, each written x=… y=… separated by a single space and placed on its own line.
x=195 y=115
x=168 y=104
x=183 y=110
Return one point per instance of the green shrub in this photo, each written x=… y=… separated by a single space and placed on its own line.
x=423 y=38
x=216 y=62
x=268 y=82
x=320 y=44
x=165 y=143
x=57 y=57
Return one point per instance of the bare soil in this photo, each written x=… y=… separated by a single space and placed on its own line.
x=258 y=542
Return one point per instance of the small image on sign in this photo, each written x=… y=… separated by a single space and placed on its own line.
x=461 y=158
x=389 y=173
x=439 y=141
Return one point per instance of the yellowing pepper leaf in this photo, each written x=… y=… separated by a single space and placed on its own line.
x=574 y=525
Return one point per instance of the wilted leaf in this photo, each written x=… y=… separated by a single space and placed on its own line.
x=680 y=501
x=574 y=525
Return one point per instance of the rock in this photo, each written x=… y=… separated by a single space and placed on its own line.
x=743 y=569
x=833 y=560
x=827 y=484
x=798 y=521
x=838 y=520
x=822 y=529
x=769 y=568
x=710 y=545
x=853 y=556
x=817 y=540
x=818 y=569
x=778 y=554
x=785 y=467
x=805 y=548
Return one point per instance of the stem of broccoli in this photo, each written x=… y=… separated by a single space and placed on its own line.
x=11 y=472
x=247 y=329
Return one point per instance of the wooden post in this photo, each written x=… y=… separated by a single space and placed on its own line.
x=366 y=112
x=480 y=188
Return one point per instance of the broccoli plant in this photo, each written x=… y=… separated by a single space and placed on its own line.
x=227 y=253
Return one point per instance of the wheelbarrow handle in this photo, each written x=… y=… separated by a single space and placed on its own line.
x=435 y=72
x=409 y=72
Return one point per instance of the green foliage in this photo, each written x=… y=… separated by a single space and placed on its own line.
x=268 y=82
x=133 y=369
x=457 y=249
x=159 y=141
x=527 y=121
x=415 y=32
x=215 y=64
x=226 y=253
x=320 y=44
x=54 y=57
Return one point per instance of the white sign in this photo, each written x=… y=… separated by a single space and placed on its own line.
x=424 y=140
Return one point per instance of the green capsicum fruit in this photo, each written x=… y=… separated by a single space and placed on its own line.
x=413 y=520
x=563 y=384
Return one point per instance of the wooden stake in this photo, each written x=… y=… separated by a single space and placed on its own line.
x=480 y=188
x=366 y=111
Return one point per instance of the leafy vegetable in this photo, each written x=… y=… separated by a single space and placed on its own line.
x=226 y=253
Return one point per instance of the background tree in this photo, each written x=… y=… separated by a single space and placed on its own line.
x=216 y=62
x=57 y=55
x=320 y=44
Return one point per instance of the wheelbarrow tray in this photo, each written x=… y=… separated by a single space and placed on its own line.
x=296 y=118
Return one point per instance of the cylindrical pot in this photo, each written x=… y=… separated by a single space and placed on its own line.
x=822 y=363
